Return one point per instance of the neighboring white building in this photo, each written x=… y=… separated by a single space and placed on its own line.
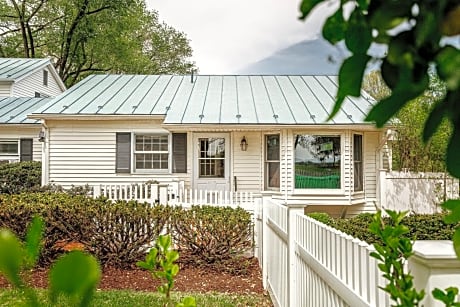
x=134 y=128
x=19 y=136
x=23 y=77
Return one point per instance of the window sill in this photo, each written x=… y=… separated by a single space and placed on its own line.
x=338 y=192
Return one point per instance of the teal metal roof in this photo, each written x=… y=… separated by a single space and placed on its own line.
x=16 y=68
x=210 y=99
x=14 y=110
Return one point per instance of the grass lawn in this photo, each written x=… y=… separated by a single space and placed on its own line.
x=115 y=298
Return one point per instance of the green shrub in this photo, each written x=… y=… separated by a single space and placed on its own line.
x=117 y=234
x=20 y=177
x=213 y=236
x=421 y=227
x=322 y=217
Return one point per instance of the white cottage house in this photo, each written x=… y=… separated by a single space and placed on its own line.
x=19 y=136
x=264 y=134
x=22 y=77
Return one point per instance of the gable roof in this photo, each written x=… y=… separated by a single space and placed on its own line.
x=14 y=110
x=15 y=69
x=211 y=99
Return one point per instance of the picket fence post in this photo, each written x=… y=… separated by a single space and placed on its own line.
x=264 y=235
x=293 y=210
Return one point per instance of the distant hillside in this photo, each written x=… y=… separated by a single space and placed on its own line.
x=312 y=57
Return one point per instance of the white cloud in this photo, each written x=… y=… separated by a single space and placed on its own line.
x=227 y=35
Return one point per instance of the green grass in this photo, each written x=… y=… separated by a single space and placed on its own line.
x=137 y=298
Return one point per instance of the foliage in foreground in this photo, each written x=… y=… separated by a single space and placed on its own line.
x=75 y=275
x=160 y=261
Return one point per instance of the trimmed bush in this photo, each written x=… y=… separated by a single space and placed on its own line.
x=117 y=234
x=20 y=177
x=421 y=226
x=212 y=236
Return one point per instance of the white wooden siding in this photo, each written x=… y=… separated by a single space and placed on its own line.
x=83 y=152
x=16 y=133
x=247 y=165
x=371 y=167
x=34 y=83
x=5 y=89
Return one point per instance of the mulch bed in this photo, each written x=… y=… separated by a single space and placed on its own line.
x=189 y=279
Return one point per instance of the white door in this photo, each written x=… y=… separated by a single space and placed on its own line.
x=211 y=162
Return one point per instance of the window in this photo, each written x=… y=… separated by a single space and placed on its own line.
x=211 y=158
x=317 y=161
x=45 y=78
x=272 y=161
x=151 y=152
x=9 y=148
x=358 y=162
x=16 y=150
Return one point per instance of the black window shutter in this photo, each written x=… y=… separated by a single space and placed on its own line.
x=26 y=150
x=123 y=153
x=179 y=151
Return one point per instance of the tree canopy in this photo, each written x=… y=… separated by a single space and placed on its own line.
x=92 y=36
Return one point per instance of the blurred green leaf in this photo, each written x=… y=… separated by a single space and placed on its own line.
x=433 y=121
x=358 y=35
x=306 y=6
x=334 y=28
x=456 y=240
x=11 y=257
x=448 y=60
x=453 y=150
x=33 y=240
x=350 y=76
x=76 y=275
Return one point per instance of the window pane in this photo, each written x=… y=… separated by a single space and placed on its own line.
x=358 y=162
x=317 y=162
x=212 y=157
x=273 y=147
x=9 y=148
x=273 y=170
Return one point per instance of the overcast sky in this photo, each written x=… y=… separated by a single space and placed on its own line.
x=227 y=35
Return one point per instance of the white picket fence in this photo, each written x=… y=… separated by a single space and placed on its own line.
x=173 y=193
x=306 y=263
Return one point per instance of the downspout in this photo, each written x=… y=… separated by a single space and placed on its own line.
x=45 y=155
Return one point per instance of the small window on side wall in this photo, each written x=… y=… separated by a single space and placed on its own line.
x=151 y=152
x=358 y=176
x=45 y=78
x=317 y=161
x=272 y=161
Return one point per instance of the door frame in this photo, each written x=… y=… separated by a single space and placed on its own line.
x=211 y=183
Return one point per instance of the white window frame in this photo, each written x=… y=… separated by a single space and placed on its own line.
x=8 y=156
x=339 y=191
x=266 y=161
x=362 y=162
x=134 y=152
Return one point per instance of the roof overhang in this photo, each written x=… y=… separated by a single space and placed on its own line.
x=262 y=127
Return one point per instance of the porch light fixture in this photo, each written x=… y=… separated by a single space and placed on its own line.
x=41 y=136
x=244 y=144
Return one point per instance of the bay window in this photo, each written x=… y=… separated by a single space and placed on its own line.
x=317 y=161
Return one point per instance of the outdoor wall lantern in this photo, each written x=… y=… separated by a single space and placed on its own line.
x=41 y=136
x=244 y=144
